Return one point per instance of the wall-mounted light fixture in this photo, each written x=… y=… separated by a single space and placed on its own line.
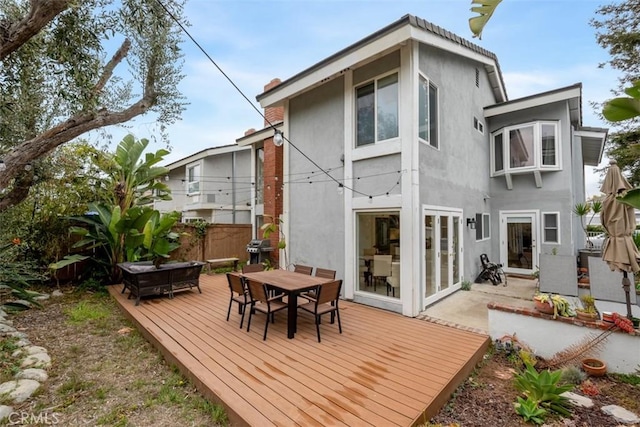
x=278 y=138
x=471 y=223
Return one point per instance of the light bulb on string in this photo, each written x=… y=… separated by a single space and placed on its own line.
x=278 y=138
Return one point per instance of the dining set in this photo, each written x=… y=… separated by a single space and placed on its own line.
x=270 y=291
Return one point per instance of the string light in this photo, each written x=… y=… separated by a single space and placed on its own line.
x=277 y=133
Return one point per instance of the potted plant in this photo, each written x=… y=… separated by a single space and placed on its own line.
x=594 y=367
x=553 y=304
x=588 y=312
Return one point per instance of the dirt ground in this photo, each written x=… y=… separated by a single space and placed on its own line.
x=103 y=372
x=487 y=398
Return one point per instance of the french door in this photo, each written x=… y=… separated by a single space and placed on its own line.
x=442 y=270
x=518 y=241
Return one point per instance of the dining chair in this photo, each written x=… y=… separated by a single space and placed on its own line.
x=252 y=268
x=381 y=268
x=262 y=302
x=304 y=269
x=393 y=281
x=239 y=294
x=327 y=302
x=320 y=272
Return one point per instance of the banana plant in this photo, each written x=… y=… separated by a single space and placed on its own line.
x=484 y=9
x=624 y=108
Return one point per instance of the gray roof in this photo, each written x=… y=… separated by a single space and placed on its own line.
x=408 y=19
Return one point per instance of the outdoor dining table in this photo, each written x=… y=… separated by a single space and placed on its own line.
x=291 y=284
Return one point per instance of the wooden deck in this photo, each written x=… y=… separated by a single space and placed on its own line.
x=384 y=370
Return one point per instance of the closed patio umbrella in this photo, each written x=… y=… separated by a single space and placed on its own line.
x=618 y=219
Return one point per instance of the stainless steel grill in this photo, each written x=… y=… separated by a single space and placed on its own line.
x=258 y=250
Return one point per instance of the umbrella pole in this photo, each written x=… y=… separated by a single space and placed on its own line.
x=626 y=285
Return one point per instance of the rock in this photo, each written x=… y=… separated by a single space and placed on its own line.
x=620 y=414
x=23 y=342
x=57 y=293
x=5 y=412
x=6 y=329
x=41 y=297
x=6 y=321
x=19 y=390
x=38 y=360
x=39 y=375
x=578 y=400
x=34 y=349
x=19 y=335
x=3 y=313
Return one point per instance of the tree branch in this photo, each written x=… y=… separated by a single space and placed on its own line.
x=15 y=34
x=65 y=132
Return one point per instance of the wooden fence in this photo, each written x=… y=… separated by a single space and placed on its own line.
x=219 y=241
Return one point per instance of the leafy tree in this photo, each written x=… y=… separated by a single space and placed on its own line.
x=63 y=183
x=59 y=75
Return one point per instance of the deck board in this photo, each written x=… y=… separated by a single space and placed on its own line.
x=384 y=369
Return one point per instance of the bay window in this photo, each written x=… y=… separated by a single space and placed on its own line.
x=525 y=147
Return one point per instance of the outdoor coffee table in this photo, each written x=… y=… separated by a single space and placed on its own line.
x=291 y=284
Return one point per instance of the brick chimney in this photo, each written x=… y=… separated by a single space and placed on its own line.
x=273 y=114
x=273 y=174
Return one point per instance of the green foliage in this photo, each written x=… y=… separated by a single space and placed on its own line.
x=544 y=390
x=484 y=9
x=465 y=285
x=131 y=179
x=64 y=186
x=530 y=411
x=633 y=379
x=86 y=311
x=624 y=108
x=572 y=375
x=17 y=275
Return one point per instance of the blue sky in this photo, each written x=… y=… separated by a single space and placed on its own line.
x=541 y=45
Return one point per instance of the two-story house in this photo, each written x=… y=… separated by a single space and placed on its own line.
x=213 y=185
x=406 y=160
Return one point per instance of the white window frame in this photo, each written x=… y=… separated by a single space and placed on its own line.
x=375 y=81
x=537 y=148
x=434 y=144
x=545 y=227
x=189 y=184
x=478 y=125
x=481 y=220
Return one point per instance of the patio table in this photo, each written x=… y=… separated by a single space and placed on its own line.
x=291 y=284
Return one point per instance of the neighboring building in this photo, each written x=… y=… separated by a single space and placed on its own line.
x=213 y=185
x=427 y=162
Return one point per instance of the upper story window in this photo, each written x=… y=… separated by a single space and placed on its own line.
x=427 y=111
x=377 y=110
x=193 y=179
x=525 y=147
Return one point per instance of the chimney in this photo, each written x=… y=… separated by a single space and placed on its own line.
x=273 y=114
x=249 y=131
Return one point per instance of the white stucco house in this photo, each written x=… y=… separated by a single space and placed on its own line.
x=405 y=145
x=213 y=185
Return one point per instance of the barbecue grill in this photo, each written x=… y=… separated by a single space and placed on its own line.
x=259 y=250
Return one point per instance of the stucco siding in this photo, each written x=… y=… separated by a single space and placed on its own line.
x=316 y=220
x=456 y=175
